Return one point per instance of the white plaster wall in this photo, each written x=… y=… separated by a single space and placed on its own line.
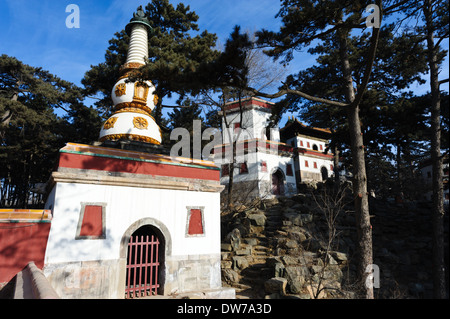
x=320 y=163
x=255 y=173
x=275 y=162
x=254 y=123
x=305 y=141
x=126 y=205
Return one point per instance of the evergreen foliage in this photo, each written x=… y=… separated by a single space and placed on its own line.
x=32 y=133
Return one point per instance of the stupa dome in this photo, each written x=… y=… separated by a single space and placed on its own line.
x=133 y=101
x=134 y=94
x=131 y=125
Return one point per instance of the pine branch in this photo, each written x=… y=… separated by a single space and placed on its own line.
x=175 y=106
x=443 y=81
x=371 y=59
x=295 y=92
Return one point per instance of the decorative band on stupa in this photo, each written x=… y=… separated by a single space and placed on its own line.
x=134 y=101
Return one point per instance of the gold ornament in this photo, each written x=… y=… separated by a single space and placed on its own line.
x=140 y=123
x=134 y=104
x=121 y=89
x=133 y=137
x=110 y=123
x=155 y=99
x=140 y=92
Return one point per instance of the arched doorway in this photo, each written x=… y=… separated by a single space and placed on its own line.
x=145 y=263
x=278 y=182
x=324 y=173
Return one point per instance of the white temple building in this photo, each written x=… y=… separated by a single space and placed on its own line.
x=270 y=161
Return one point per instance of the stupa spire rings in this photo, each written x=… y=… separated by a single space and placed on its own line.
x=134 y=100
x=137 y=29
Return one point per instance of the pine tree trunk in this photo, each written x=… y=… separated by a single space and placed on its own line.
x=5 y=118
x=337 y=180
x=234 y=145
x=231 y=175
x=399 y=192
x=437 y=176
x=364 y=229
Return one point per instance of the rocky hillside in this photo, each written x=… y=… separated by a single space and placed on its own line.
x=281 y=248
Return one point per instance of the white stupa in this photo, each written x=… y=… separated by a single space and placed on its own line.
x=133 y=101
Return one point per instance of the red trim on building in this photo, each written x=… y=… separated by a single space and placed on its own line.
x=92 y=162
x=314 y=153
x=248 y=102
x=259 y=143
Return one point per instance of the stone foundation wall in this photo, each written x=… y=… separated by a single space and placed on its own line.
x=310 y=176
x=192 y=273
x=105 y=279
x=102 y=279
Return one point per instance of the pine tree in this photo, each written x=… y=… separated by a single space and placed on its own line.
x=30 y=131
x=435 y=14
x=184 y=117
x=390 y=119
x=431 y=25
x=305 y=21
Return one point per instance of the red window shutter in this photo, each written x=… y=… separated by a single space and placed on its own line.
x=315 y=165
x=92 y=224
x=306 y=164
x=225 y=170
x=289 y=170
x=307 y=145
x=195 y=222
x=263 y=166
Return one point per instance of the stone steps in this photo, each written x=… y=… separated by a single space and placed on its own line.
x=264 y=256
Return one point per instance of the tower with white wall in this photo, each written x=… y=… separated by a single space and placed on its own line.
x=313 y=160
x=270 y=161
x=128 y=223
x=264 y=167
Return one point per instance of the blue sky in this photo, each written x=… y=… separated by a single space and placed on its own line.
x=35 y=32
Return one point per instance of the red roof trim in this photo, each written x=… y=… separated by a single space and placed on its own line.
x=91 y=162
x=248 y=102
x=314 y=153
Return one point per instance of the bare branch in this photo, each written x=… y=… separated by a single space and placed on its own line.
x=62 y=107
x=441 y=38
x=388 y=10
x=443 y=81
x=175 y=106
x=295 y=92
x=93 y=97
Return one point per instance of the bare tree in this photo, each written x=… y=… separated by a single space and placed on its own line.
x=262 y=73
x=331 y=203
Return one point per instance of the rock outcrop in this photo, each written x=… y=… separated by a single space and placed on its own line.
x=280 y=248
